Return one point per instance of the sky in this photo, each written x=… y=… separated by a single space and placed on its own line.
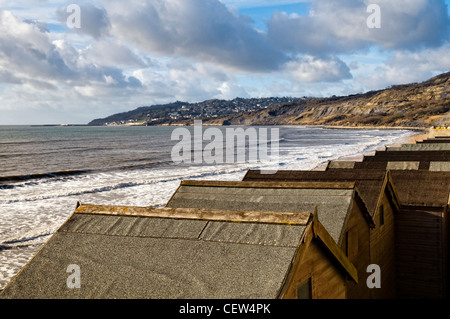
x=61 y=63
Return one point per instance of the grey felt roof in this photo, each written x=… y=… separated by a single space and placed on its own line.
x=422 y=147
x=409 y=156
x=150 y=257
x=409 y=160
x=414 y=187
x=440 y=166
x=422 y=188
x=332 y=204
x=435 y=140
x=368 y=183
x=388 y=165
x=443 y=166
x=341 y=164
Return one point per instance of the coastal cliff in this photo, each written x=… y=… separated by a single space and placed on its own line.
x=423 y=104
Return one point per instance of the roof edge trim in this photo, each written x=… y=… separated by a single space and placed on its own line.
x=242 y=216
x=261 y=184
x=325 y=238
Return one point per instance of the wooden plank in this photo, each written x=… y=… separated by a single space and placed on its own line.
x=251 y=184
x=326 y=239
x=313 y=262
x=290 y=282
x=295 y=218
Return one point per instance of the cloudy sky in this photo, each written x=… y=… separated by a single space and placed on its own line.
x=126 y=54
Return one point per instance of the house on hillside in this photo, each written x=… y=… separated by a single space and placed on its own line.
x=166 y=253
x=340 y=207
x=378 y=193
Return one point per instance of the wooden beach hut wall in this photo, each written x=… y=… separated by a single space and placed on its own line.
x=141 y=252
x=378 y=193
x=340 y=210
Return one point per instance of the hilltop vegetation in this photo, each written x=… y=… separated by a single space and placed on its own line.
x=412 y=105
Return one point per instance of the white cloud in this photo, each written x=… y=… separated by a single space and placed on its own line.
x=259 y=3
x=340 y=26
x=310 y=69
x=37 y=71
x=408 y=67
x=109 y=52
x=202 y=30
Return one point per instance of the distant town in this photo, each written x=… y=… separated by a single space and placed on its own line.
x=174 y=112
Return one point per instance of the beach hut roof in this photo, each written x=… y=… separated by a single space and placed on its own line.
x=421 y=147
x=369 y=183
x=405 y=160
x=332 y=199
x=412 y=187
x=422 y=188
x=391 y=165
x=142 y=252
x=408 y=156
x=340 y=164
x=435 y=140
x=440 y=166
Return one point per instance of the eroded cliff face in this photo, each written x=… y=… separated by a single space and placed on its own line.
x=412 y=105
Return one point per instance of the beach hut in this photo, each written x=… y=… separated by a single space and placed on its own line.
x=422 y=233
x=399 y=160
x=421 y=230
x=413 y=155
x=392 y=164
x=163 y=253
x=378 y=193
x=421 y=147
x=435 y=140
x=341 y=211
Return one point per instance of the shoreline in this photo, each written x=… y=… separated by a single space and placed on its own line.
x=339 y=127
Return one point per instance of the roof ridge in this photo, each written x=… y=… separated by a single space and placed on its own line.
x=265 y=184
x=289 y=218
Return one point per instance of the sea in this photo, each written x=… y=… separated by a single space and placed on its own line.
x=46 y=170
